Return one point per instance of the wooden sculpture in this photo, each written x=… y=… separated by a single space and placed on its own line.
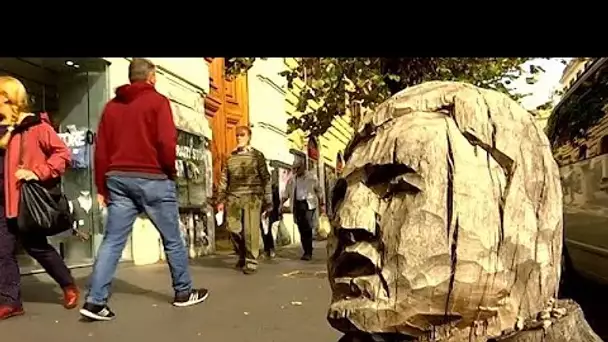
x=449 y=218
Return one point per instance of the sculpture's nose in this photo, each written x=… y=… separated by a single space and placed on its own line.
x=356 y=227
x=358 y=210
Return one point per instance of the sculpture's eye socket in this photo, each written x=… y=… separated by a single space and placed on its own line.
x=389 y=179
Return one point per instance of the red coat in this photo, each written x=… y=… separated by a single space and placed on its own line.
x=44 y=153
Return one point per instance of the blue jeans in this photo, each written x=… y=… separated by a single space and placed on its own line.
x=130 y=197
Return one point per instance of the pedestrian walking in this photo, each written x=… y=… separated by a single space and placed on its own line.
x=273 y=216
x=245 y=193
x=135 y=158
x=10 y=281
x=31 y=151
x=306 y=197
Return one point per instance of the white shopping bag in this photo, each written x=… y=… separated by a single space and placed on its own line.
x=219 y=218
x=265 y=224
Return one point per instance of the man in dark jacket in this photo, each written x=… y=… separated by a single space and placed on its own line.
x=135 y=159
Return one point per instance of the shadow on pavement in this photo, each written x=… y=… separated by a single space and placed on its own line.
x=35 y=290
x=288 y=253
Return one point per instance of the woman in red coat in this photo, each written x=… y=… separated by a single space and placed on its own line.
x=44 y=157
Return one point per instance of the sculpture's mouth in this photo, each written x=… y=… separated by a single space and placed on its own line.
x=359 y=288
x=354 y=290
x=357 y=274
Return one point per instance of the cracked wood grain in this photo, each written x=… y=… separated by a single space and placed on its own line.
x=457 y=192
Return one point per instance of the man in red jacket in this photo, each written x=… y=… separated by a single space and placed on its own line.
x=135 y=159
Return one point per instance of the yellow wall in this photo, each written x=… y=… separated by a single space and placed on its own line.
x=330 y=143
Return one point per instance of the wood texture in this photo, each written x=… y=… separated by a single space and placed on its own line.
x=449 y=223
x=570 y=327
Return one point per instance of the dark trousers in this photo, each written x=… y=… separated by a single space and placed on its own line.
x=267 y=238
x=304 y=218
x=38 y=247
x=10 y=279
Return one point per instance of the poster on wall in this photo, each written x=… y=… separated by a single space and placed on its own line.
x=192 y=169
x=197 y=232
x=78 y=140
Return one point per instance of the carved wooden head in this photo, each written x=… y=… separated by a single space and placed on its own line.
x=449 y=216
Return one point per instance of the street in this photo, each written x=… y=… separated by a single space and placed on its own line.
x=285 y=301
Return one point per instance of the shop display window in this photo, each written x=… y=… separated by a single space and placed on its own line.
x=73 y=93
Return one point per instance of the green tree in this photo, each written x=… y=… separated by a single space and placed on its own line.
x=370 y=81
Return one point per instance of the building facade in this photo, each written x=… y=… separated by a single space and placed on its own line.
x=267 y=113
x=323 y=154
x=328 y=146
x=573 y=70
x=596 y=142
x=74 y=91
x=226 y=107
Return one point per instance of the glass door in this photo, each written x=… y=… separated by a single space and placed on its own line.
x=82 y=94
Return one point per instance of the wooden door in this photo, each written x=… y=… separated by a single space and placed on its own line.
x=226 y=107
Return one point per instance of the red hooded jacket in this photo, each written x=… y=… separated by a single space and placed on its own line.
x=44 y=153
x=136 y=134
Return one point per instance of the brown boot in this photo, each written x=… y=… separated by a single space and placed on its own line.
x=71 y=295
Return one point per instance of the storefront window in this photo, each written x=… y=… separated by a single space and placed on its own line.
x=73 y=93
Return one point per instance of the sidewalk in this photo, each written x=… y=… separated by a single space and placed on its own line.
x=285 y=301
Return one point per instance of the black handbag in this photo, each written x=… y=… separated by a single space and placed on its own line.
x=43 y=208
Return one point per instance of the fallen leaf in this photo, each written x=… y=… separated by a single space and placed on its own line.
x=290 y=274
